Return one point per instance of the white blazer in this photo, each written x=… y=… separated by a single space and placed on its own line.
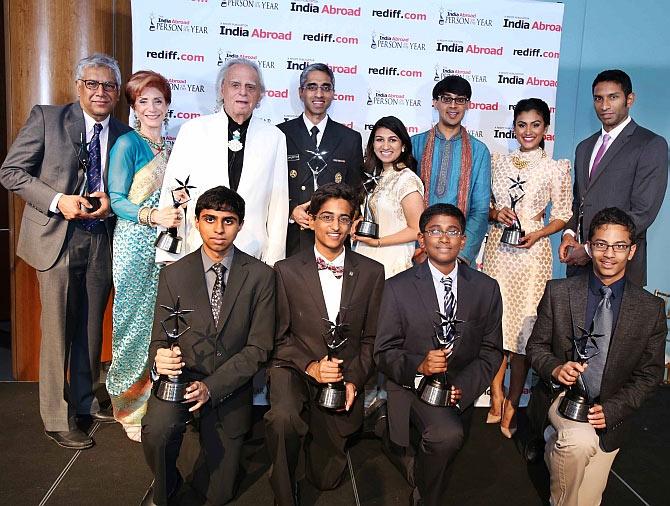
x=201 y=151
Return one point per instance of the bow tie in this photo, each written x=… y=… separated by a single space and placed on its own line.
x=321 y=265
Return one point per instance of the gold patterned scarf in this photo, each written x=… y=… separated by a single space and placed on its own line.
x=148 y=179
x=463 y=196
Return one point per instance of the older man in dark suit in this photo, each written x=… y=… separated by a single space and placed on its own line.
x=232 y=296
x=60 y=155
x=631 y=328
x=405 y=350
x=326 y=283
x=340 y=148
x=625 y=166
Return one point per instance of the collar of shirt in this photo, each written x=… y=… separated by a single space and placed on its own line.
x=232 y=126
x=321 y=125
x=337 y=262
x=227 y=261
x=595 y=284
x=90 y=123
x=437 y=282
x=440 y=135
x=614 y=133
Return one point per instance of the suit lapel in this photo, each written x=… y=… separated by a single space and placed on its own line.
x=464 y=304
x=193 y=282
x=618 y=349
x=76 y=130
x=349 y=279
x=426 y=290
x=238 y=274
x=310 y=274
x=329 y=141
x=578 y=292
x=621 y=140
x=586 y=160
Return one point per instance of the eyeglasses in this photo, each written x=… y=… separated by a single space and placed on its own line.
x=93 y=85
x=329 y=218
x=436 y=232
x=326 y=88
x=452 y=100
x=603 y=246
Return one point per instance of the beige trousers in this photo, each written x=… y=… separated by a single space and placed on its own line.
x=578 y=467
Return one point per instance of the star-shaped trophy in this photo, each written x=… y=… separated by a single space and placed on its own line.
x=512 y=234
x=367 y=227
x=169 y=240
x=316 y=164
x=577 y=401
x=436 y=389
x=173 y=388
x=334 y=395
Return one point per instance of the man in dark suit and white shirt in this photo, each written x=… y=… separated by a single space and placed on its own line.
x=67 y=241
x=232 y=296
x=405 y=350
x=631 y=325
x=315 y=132
x=315 y=286
x=625 y=166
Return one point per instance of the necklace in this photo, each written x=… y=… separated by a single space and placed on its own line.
x=235 y=144
x=521 y=163
x=158 y=146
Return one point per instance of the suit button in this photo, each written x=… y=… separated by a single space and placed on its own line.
x=218 y=353
x=302 y=187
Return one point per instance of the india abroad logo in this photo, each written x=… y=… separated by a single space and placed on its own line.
x=381 y=41
x=451 y=17
x=298 y=63
x=159 y=23
x=251 y=4
x=224 y=56
x=184 y=85
x=376 y=97
x=457 y=46
x=503 y=133
x=521 y=23
x=442 y=71
x=236 y=30
x=518 y=79
x=312 y=7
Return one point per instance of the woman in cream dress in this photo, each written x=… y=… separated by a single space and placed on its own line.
x=522 y=271
x=397 y=200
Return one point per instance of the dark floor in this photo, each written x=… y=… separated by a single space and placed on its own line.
x=489 y=470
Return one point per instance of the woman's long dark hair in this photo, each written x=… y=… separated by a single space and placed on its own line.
x=533 y=104
x=404 y=160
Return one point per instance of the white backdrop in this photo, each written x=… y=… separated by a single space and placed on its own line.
x=386 y=55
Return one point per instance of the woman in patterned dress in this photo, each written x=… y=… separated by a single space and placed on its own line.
x=522 y=271
x=136 y=166
x=397 y=200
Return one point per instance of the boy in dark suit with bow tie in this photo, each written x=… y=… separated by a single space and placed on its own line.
x=314 y=287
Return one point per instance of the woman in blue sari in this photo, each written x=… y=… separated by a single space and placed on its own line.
x=136 y=167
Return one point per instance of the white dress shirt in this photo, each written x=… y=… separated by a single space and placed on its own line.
x=439 y=287
x=321 y=125
x=104 y=136
x=330 y=285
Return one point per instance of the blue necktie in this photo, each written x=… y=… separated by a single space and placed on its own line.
x=603 y=321
x=93 y=169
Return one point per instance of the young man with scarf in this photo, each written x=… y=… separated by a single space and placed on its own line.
x=454 y=166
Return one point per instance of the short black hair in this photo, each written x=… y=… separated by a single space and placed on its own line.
x=441 y=210
x=614 y=76
x=533 y=104
x=333 y=191
x=453 y=84
x=221 y=198
x=613 y=216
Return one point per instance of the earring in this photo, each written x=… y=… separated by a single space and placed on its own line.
x=402 y=150
x=136 y=124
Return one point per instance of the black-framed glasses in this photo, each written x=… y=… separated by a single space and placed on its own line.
x=602 y=246
x=326 y=88
x=437 y=232
x=91 y=84
x=330 y=218
x=445 y=99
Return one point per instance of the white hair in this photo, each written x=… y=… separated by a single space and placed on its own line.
x=221 y=76
x=99 y=60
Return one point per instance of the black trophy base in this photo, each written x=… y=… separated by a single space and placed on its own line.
x=95 y=204
x=434 y=392
x=333 y=396
x=574 y=407
x=168 y=242
x=512 y=236
x=368 y=229
x=170 y=390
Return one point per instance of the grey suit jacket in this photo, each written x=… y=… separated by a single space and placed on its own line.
x=224 y=356
x=634 y=364
x=632 y=176
x=405 y=335
x=42 y=162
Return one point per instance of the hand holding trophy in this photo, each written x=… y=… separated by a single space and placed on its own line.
x=367 y=227
x=333 y=395
x=169 y=240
